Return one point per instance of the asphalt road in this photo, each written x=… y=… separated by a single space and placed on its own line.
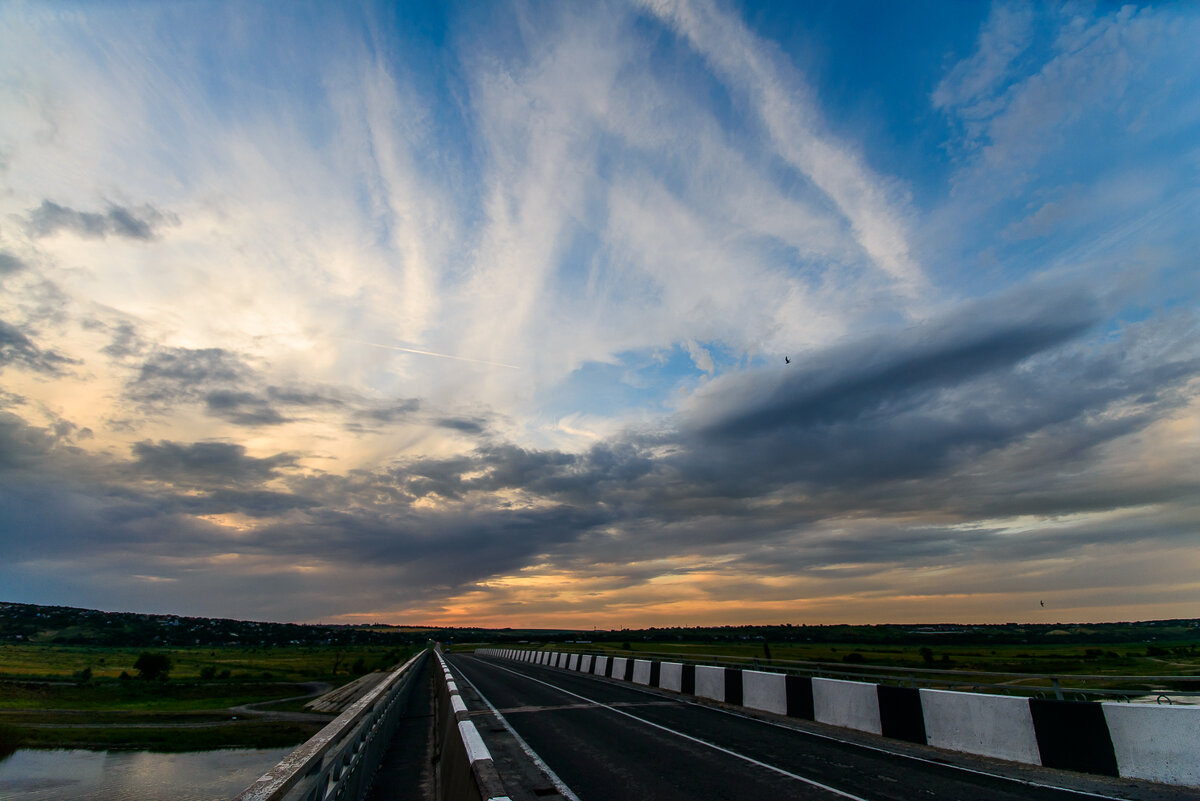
x=607 y=739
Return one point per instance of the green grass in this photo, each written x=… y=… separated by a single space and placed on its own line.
x=283 y=663
x=139 y=695
x=38 y=694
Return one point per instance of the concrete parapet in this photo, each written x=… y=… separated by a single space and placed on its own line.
x=641 y=671
x=1158 y=743
x=990 y=725
x=849 y=704
x=765 y=691
x=710 y=682
x=671 y=676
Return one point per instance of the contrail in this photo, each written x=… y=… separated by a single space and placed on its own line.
x=431 y=353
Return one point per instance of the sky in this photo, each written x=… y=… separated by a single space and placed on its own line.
x=606 y=314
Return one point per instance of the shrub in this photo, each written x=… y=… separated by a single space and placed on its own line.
x=208 y=672
x=10 y=740
x=152 y=666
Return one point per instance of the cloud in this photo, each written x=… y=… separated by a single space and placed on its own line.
x=786 y=105
x=206 y=463
x=464 y=424
x=10 y=264
x=172 y=375
x=18 y=349
x=1003 y=38
x=142 y=223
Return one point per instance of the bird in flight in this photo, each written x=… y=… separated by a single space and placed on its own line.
x=1043 y=603
x=786 y=360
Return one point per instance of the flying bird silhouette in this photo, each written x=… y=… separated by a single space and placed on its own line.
x=1043 y=603
x=786 y=360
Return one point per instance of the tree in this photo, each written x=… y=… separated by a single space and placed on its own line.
x=152 y=666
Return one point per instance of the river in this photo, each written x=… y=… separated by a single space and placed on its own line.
x=76 y=775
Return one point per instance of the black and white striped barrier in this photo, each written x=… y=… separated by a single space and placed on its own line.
x=1135 y=741
x=466 y=769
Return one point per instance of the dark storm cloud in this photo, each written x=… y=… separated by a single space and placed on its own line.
x=205 y=462
x=18 y=349
x=141 y=223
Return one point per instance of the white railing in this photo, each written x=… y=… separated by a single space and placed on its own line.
x=340 y=760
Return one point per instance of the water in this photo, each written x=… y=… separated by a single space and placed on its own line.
x=76 y=775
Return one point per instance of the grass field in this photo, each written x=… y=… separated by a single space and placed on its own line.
x=45 y=702
x=283 y=663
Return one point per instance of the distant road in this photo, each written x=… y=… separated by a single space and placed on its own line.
x=609 y=740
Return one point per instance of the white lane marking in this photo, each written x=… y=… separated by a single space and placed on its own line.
x=877 y=749
x=714 y=746
x=558 y=783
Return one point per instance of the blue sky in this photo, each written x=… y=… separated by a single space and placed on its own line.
x=461 y=312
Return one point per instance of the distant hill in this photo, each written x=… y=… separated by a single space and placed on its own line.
x=73 y=626
x=67 y=625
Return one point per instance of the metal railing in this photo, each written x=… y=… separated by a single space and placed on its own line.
x=340 y=760
x=1155 y=689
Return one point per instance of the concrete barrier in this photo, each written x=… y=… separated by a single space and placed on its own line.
x=989 y=725
x=765 y=691
x=618 y=667
x=574 y=663
x=601 y=666
x=671 y=676
x=641 y=671
x=585 y=663
x=710 y=682
x=849 y=704
x=1159 y=743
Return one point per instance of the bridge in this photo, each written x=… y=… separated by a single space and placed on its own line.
x=522 y=724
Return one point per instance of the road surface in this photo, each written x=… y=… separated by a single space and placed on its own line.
x=606 y=739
